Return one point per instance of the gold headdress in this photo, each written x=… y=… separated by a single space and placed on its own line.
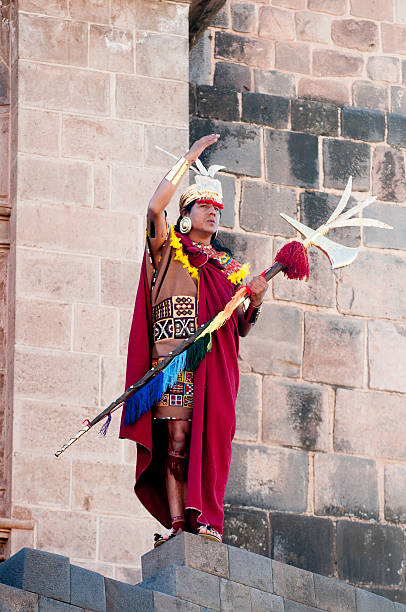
x=205 y=187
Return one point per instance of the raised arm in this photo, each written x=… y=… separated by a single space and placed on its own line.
x=165 y=191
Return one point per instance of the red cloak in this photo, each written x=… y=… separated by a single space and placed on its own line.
x=215 y=391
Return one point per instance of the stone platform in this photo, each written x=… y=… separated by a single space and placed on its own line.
x=187 y=574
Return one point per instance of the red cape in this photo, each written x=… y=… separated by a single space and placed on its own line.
x=215 y=392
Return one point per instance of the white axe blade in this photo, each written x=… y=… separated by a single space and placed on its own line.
x=338 y=254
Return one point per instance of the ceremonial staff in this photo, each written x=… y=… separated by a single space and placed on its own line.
x=291 y=259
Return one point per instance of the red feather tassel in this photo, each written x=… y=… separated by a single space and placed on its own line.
x=293 y=257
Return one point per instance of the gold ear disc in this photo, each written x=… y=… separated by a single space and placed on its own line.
x=185 y=225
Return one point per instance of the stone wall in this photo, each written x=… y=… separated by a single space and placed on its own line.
x=345 y=51
x=100 y=84
x=319 y=463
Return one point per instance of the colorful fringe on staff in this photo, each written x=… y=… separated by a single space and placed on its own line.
x=143 y=400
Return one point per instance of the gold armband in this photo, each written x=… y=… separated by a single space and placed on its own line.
x=178 y=171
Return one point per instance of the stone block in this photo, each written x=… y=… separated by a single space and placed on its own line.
x=91 y=232
x=132 y=538
x=59 y=181
x=362 y=124
x=369 y=602
x=111 y=49
x=293 y=583
x=250 y=569
x=57 y=276
x=393 y=38
x=324 y=89
x=388 y=176
x=4 y=85
x=91 y=484
x=369 y=423
x=333 y=595
x=314 y=117
x=200 y=59
x=38 y=571
x=275 y=82
x=38 y=132
x=94 y=10
x=40 y=372
x=265 y=109
x=60 y=531
x=268 y=477
x=274 y=346
x=141 y=98
x=190 y=551
x=112 y=377
x=54 y=8
x=323 y=363
x=356 y=295
x=228 y=184
x=312 y=27
x=149 y=56
x=95 y=329
x=243 y=17
x=295 y=414
x=52 y=40
x=247 y=529
x=140 y=181
x=293 y=57
x=381 y=10
x=261 y=205
x=292 y=158
x=256 y=52
x=393 y=215
x=131 y=575
x=395 y=508
x=247 y=407
x=389 y=339
x=342 y=159
x=46 y=604
x=294 y=606
x=124 y=332
x=166 y=18
x=121 y=596
x=355 y=34
x=64 y=88
x=396 y=128
x=266 y=602
x=217 y=103
x=370 y=95
x=14 y=600
x=186 y=583
x=319 y=289
x=40 y=480
x=369 y=553
x=328 y=62
x=400 y=11
x=87 y=589
x=384 y=69
x=239 y=146
x=276 y=24
x=291 y=4
x=102 y=140
x=192 y=98
x=335 y=7
x=221 y=19
x=119 y=282
x=232 y=76
x=306 y=542
x=43 y=324
x=167 y=603
x=346 y=486
x=398 y=100
x=234 y=596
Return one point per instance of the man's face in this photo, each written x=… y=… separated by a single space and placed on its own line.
x=205 y=217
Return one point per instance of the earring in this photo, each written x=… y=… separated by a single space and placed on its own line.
x=214 y=236
x=185 y=225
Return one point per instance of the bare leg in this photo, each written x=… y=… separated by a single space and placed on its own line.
x=176 y=474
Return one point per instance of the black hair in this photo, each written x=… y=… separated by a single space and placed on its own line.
x=215 y=241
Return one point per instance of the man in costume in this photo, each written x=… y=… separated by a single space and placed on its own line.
x=184 y=443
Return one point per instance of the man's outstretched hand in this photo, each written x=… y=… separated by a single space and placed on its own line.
x=200 y=145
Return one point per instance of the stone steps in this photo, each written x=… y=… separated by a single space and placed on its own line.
x=186 y=574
